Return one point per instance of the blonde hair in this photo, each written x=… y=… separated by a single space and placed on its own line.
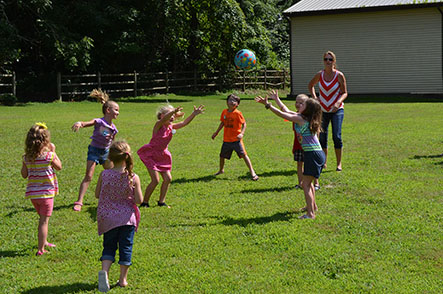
x=302 y=97
x=103 y=98
x=121 y=151
x=37 y=139
x=166 y=109
x=333 y=57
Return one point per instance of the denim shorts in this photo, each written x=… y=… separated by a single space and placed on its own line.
x=314 y=162
x=228 y=147
x=121 y=238
x=98 y=155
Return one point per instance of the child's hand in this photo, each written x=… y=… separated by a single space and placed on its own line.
x=273 y=95
x=77 y=126
x=198 y=110
x=214 y=135
x=261 y=100
x=240 y=136
x=51 y=147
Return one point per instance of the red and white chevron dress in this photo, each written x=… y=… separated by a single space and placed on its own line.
x=329 y=92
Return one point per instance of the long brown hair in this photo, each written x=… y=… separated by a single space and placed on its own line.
x=313 y=114
x=120 y=151
x=103 y=98
x=37 y=139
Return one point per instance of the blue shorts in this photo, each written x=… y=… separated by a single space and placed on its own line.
x=314 y=162
x=98 y=155
x=228 y=147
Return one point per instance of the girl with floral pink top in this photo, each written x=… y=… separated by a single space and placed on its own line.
x=118 y=191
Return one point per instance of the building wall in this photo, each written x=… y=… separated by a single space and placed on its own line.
x=396 y=51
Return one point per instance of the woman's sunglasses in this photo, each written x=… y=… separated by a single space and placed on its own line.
x=328 y=59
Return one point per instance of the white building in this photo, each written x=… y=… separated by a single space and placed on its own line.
x=382 y=47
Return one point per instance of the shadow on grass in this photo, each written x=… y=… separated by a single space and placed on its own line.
x=278 y=217
x=68 y=288
x=92 y=210
x=430 y=156
x=273 y=173
x=10 y=253
x=279 y=189
x=199 y=179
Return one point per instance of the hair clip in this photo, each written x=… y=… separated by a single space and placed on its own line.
x=42 y=124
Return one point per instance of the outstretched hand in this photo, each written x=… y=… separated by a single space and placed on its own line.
x=76 y=126
x=200 y=109
x=178 y=112
x=261 y=100
x=273 y=94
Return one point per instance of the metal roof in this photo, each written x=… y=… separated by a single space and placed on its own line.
x=330 y=6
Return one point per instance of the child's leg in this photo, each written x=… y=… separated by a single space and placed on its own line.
x=43 y=224
x=300 y=173
x=222 y=166
x=125 y=244
x=151 y=187
x=167 y=178
x=309 y=191
x=123 y=281
x=249 y=165
x=90 y=168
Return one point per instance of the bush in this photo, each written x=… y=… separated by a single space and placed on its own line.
x=8 y=99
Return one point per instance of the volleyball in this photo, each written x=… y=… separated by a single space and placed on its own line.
x=245 y=59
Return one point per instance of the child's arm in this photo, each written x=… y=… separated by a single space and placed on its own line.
x=220 y=126
x=274 y=96
x=197 y=111
x=138 y=195
x=56 y=162
x=294 y=117
x=82 y=124
x=98 y=188
x=165 y=119
x=24 y=170
x=243 y=129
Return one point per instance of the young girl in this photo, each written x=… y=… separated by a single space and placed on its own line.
x=38 y=166
x=307 y=126
x=118 y=191
x=104 y=133
x=297 y=149
x=156 y=155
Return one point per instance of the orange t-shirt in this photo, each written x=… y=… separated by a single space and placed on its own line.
x=232 y=122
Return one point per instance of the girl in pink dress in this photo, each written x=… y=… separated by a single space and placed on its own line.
x=156 y=155
x=118 y=191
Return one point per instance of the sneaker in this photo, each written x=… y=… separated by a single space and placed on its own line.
x=317 y=187
x=103 y=283
x=298 y=187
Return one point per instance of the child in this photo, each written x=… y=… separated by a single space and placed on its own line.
x=104 y=133
x=38 y=166
x=118 y=191
x=297 y=150
x=307 y=125
x=234 y=129
x=156 y=156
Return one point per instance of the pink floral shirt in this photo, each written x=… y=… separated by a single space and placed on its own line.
x=116 y=203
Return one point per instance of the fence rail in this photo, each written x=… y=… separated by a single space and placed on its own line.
x=8 y=84
x=134 y=84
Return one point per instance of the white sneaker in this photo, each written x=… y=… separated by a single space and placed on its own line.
x=103 y=283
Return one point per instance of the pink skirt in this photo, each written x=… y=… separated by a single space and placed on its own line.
x=158 y=160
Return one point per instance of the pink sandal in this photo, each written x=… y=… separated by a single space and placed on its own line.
x=77 y=208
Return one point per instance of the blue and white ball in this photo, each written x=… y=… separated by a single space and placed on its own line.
x=245 y=59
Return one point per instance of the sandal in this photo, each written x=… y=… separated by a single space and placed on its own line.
x=298 y=187
x=144 y=204
x=163 y=204
x=316 y=187
x=50 y=245
x=305 y=216
x=255 y=178
x=103 y=282
x=77 y=208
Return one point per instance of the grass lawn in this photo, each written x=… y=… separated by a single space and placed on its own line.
x=378 y=229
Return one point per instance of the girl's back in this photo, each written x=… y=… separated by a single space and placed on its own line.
x=42 y=181
x=116 y=204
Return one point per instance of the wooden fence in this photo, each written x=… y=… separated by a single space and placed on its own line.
x=8 y=84
x=135 y=84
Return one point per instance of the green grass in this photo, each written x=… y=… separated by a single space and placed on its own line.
x=378 y=230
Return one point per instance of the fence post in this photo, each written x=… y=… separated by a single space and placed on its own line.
x=59 y=86
x=167 y=82
x=99 y=80
x=135 y=83
x=266 y=85
x=284 y=78
x=244 y=80
x=14 y=88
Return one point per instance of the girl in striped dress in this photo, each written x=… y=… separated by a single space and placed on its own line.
x=39 y=163
x=307 y=125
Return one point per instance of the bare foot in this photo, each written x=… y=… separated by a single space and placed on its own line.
x=219 y=172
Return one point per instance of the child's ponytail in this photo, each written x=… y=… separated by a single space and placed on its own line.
x=102 y=98
x=120 y=151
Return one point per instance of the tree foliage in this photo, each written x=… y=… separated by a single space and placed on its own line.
x=41 y=37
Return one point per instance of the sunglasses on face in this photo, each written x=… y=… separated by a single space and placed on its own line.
x=328 y=59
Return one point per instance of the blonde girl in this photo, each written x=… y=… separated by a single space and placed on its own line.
x=39 y=163
x=102 y=137
x=118 y=191
x=307 y=125
x=156 y=156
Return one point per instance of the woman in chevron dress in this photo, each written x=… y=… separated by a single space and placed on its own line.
x=332 y=92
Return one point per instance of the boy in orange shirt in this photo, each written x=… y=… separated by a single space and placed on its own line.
x=234 y=129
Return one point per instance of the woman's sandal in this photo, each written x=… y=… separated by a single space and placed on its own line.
x=163 y=204
x=77 y=208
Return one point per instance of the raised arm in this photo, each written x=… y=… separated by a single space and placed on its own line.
x=294 y=117
x=274 y=96
x=197 y=111
x=165 y=119
x=82 y=124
